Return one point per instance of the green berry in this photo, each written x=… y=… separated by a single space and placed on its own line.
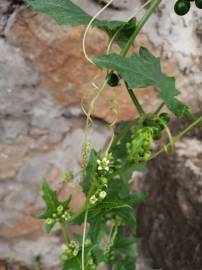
x=165 y=118
x=198 y=3
x=148 y=122
x=182 y=7
x=113 y=79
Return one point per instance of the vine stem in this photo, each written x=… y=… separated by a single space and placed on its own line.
x=37 y=265
x=83 y=240
x=135 y=100
x=179 y=136
x=139 y=27
x=64 y=232
x=159 y=108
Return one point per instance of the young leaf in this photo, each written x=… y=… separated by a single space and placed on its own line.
x=122 y=32
x=144 y=70
x=66 y=12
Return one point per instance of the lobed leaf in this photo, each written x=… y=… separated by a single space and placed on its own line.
x=144 y=70
x=66 y=12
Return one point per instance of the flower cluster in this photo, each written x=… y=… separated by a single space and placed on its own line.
x=69 y=251
x=90 y=265
x=67 y=176
x=103 y=170
x=104 y=164
x=157 y=123
x=101 y=191
x=61 y=215
x=139 y=149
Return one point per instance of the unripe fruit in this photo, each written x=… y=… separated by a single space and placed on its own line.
x=113 y=80
x=182 y=7
x=198 y=3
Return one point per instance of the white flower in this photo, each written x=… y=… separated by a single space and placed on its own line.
x=103 y=194
x=103 y=164
x=93 y=199
x=106 y=168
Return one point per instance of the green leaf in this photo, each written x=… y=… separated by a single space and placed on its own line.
x=97 y=229
x=144 y=70
x=122 y=32
x=90 y=171
x=112 y=205
x=127 y=214
x=135 y=198
x=73 y=264
x=50 y=198
x=66 y=12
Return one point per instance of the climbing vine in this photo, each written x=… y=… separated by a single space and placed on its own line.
x=107 y=217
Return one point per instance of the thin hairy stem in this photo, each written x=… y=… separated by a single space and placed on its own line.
x=119 y=30
x=159 y=108
x=139 y=26
x=179 y=136
x=170 y=137
x=83 y=240
x=64 y=232
x=37 y=264
x=142 y=7
x=135 y=100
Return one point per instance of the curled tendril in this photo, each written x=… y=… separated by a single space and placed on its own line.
x=88 y=28
x=170 y=137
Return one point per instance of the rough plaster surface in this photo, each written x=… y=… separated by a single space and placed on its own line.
x=170 y=219
x=39 y=138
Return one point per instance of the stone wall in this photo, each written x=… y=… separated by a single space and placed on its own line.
x=170 y=220
x=43 y=76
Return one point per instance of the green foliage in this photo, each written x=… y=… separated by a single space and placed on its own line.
x=144 y=70
x=55 y=211
x=66 y=12
x=90 y=171
x=73 y=264
x=122 y=32
x=106 y=181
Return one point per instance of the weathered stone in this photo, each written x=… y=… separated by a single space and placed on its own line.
x=65 y=71
x=12 y=128
x=11 y=158
x=170 y=219
x=24 y=226
x=27 y=250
